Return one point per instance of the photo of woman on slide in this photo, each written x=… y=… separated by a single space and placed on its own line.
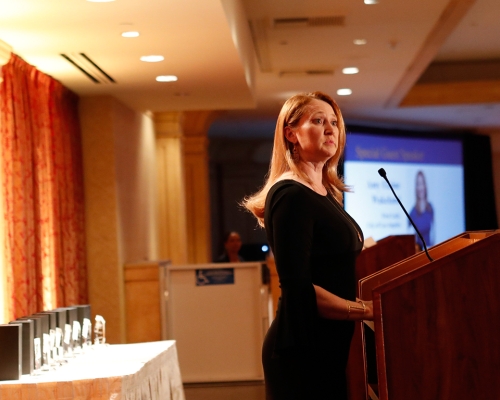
x=423 y=213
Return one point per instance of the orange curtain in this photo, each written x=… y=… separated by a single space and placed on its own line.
x=42 y=191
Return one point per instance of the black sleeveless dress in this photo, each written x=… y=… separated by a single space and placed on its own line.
x=314 y=241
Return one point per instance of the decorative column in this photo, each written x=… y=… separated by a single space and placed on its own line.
x=172 y=236
x=195 y=128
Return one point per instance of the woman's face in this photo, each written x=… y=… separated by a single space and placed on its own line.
x=421 y=190
x=317 y=133
x=233 y=243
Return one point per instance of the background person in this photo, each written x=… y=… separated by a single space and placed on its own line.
x=315 y=244
x=232 y=246
x=422 y=213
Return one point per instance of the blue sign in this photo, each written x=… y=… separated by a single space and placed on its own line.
x=379 y=148
x=214 y=276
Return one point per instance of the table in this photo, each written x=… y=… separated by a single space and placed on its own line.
x=141 y=371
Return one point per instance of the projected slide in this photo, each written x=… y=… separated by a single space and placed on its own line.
x=427 y=176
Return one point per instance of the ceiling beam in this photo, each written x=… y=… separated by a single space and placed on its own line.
x=448 y=20
x=448 y=93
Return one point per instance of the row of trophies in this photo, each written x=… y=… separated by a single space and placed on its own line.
x=46 y=340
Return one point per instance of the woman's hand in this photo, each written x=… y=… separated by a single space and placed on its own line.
x=368 y=315
x=331 y=306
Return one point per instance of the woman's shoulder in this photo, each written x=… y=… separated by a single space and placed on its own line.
x=288 y=191
x=286 y=186
x=291 y=182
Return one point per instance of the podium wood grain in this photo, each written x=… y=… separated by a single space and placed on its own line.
x=436 y=323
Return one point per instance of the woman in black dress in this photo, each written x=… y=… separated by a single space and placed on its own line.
x=315 y=245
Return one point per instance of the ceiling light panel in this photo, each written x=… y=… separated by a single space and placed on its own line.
x=344 y=92
x=166 y=78
x=350 y=70
x=130 y=34
x=152 y=58
x=359 y=42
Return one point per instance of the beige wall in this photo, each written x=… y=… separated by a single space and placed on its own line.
x=118 y=158
x=136 y=184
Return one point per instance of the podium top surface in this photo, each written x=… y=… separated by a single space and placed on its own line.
x=418 y=261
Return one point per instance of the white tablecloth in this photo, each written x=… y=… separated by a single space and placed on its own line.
x=141 y=371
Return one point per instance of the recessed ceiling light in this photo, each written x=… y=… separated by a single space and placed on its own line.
x=166 y=78
x=350 y=70
x=359 y=42
x=129 y=34
x=344 y=92
x=371 y=1
x=152 y=58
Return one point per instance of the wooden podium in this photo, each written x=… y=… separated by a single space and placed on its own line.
x=436 y=323
x=386 y=252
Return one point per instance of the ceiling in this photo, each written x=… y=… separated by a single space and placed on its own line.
x=427 y=64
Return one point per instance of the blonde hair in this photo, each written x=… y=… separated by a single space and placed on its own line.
x=282 y=160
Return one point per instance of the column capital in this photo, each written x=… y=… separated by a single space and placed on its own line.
x=168 y=124
x=196 y=123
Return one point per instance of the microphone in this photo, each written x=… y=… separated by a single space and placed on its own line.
x=382 y=173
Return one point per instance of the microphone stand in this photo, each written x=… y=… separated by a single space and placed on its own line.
x=383 y=174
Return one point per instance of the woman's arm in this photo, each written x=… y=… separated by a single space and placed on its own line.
x=331 y=306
